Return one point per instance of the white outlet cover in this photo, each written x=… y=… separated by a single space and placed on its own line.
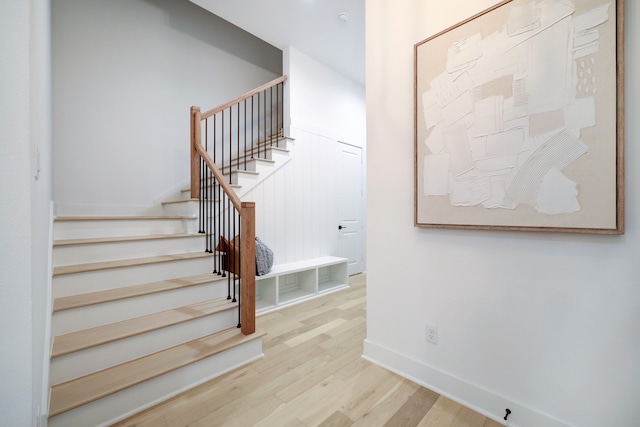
x=431 y=334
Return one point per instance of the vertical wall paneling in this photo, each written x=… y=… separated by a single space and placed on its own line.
x=280 y=225
x=289 y=205
x=269 y=201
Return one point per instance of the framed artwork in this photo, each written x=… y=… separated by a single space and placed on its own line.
x=519 y=119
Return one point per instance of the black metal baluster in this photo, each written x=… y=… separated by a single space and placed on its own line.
x=222 y=145
x=238 y=138
x=219 y=225
x=278 y=114
x=264 y=122
x=228 y=258
x=258 y=125
x=207 y=192
x=281 y=112
x=218 y=216
x=236 y=266
x=201 y=195
x=239 y=278
x=230 y=144
x=245 y=134
x=212 y=200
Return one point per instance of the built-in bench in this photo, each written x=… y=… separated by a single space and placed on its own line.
x=290 y=283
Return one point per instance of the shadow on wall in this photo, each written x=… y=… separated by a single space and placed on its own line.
x=203 y=25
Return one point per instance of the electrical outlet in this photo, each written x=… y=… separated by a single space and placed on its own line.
x=432 y=334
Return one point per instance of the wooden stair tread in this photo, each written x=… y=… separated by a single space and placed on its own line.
x=241 y=160
x=188 y=189
x=98 y=297
x=241 y=171
x=122 y=218
x=237 y=164
x=79 y=391
x=87 y=338
x=175 y=202
x=103 y=265
x=84 y=241
x=262 y=148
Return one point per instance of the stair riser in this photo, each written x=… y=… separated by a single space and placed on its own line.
x=242 y=179
x=278 y=156
x=186 y=208
x=79 y=229
x=253 y=166
x=121 y=405
x=183 y=208
x=66 y=321
x=73 y=365
x=282 y=143
x=78 y=283
x=111 y=251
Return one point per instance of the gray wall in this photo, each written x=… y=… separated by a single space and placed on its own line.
x=125 y=74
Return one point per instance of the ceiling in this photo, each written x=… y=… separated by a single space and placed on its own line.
x=313 y=27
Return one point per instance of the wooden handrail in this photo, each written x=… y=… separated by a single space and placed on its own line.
x=245 y=210
x=241 y=98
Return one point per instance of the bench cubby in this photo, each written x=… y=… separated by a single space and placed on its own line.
x=299 y=281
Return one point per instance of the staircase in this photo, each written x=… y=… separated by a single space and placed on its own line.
x=138 y=317
x=242 y=181
x=142 y=307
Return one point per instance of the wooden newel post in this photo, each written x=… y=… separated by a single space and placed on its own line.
x=248 y=269
x=196 y=136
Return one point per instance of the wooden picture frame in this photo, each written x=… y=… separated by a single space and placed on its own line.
x=519 y=119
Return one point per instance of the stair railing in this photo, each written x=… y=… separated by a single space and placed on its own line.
x=223 y=140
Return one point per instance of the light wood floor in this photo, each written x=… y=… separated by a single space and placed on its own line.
x=312 y=375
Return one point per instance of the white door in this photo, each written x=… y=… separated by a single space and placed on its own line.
x=350 y=193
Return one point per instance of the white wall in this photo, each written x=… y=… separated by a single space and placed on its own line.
x=41 y=202
x=296 y=207
x=546 y=324
x=323 y=101
x=125 y=74
x=24 y=211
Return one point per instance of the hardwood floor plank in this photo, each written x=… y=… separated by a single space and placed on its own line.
x=337 y=419
x=322 y=317
x=357 y=303
x=441 y=414
x=322 y=372
x=414 y=409
x=366 y=389
x=234 y=415
x=388 y=405
x=313 y=374
x=468 y=418
x=314 y=332
x=491 y=423
x=324 y=391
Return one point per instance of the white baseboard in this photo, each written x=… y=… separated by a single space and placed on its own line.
x=43 y=408
x=474 y=397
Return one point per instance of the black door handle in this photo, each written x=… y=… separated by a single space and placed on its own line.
x=341 y=227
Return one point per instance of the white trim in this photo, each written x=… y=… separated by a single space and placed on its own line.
x=46 y=356
x=457 y=389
